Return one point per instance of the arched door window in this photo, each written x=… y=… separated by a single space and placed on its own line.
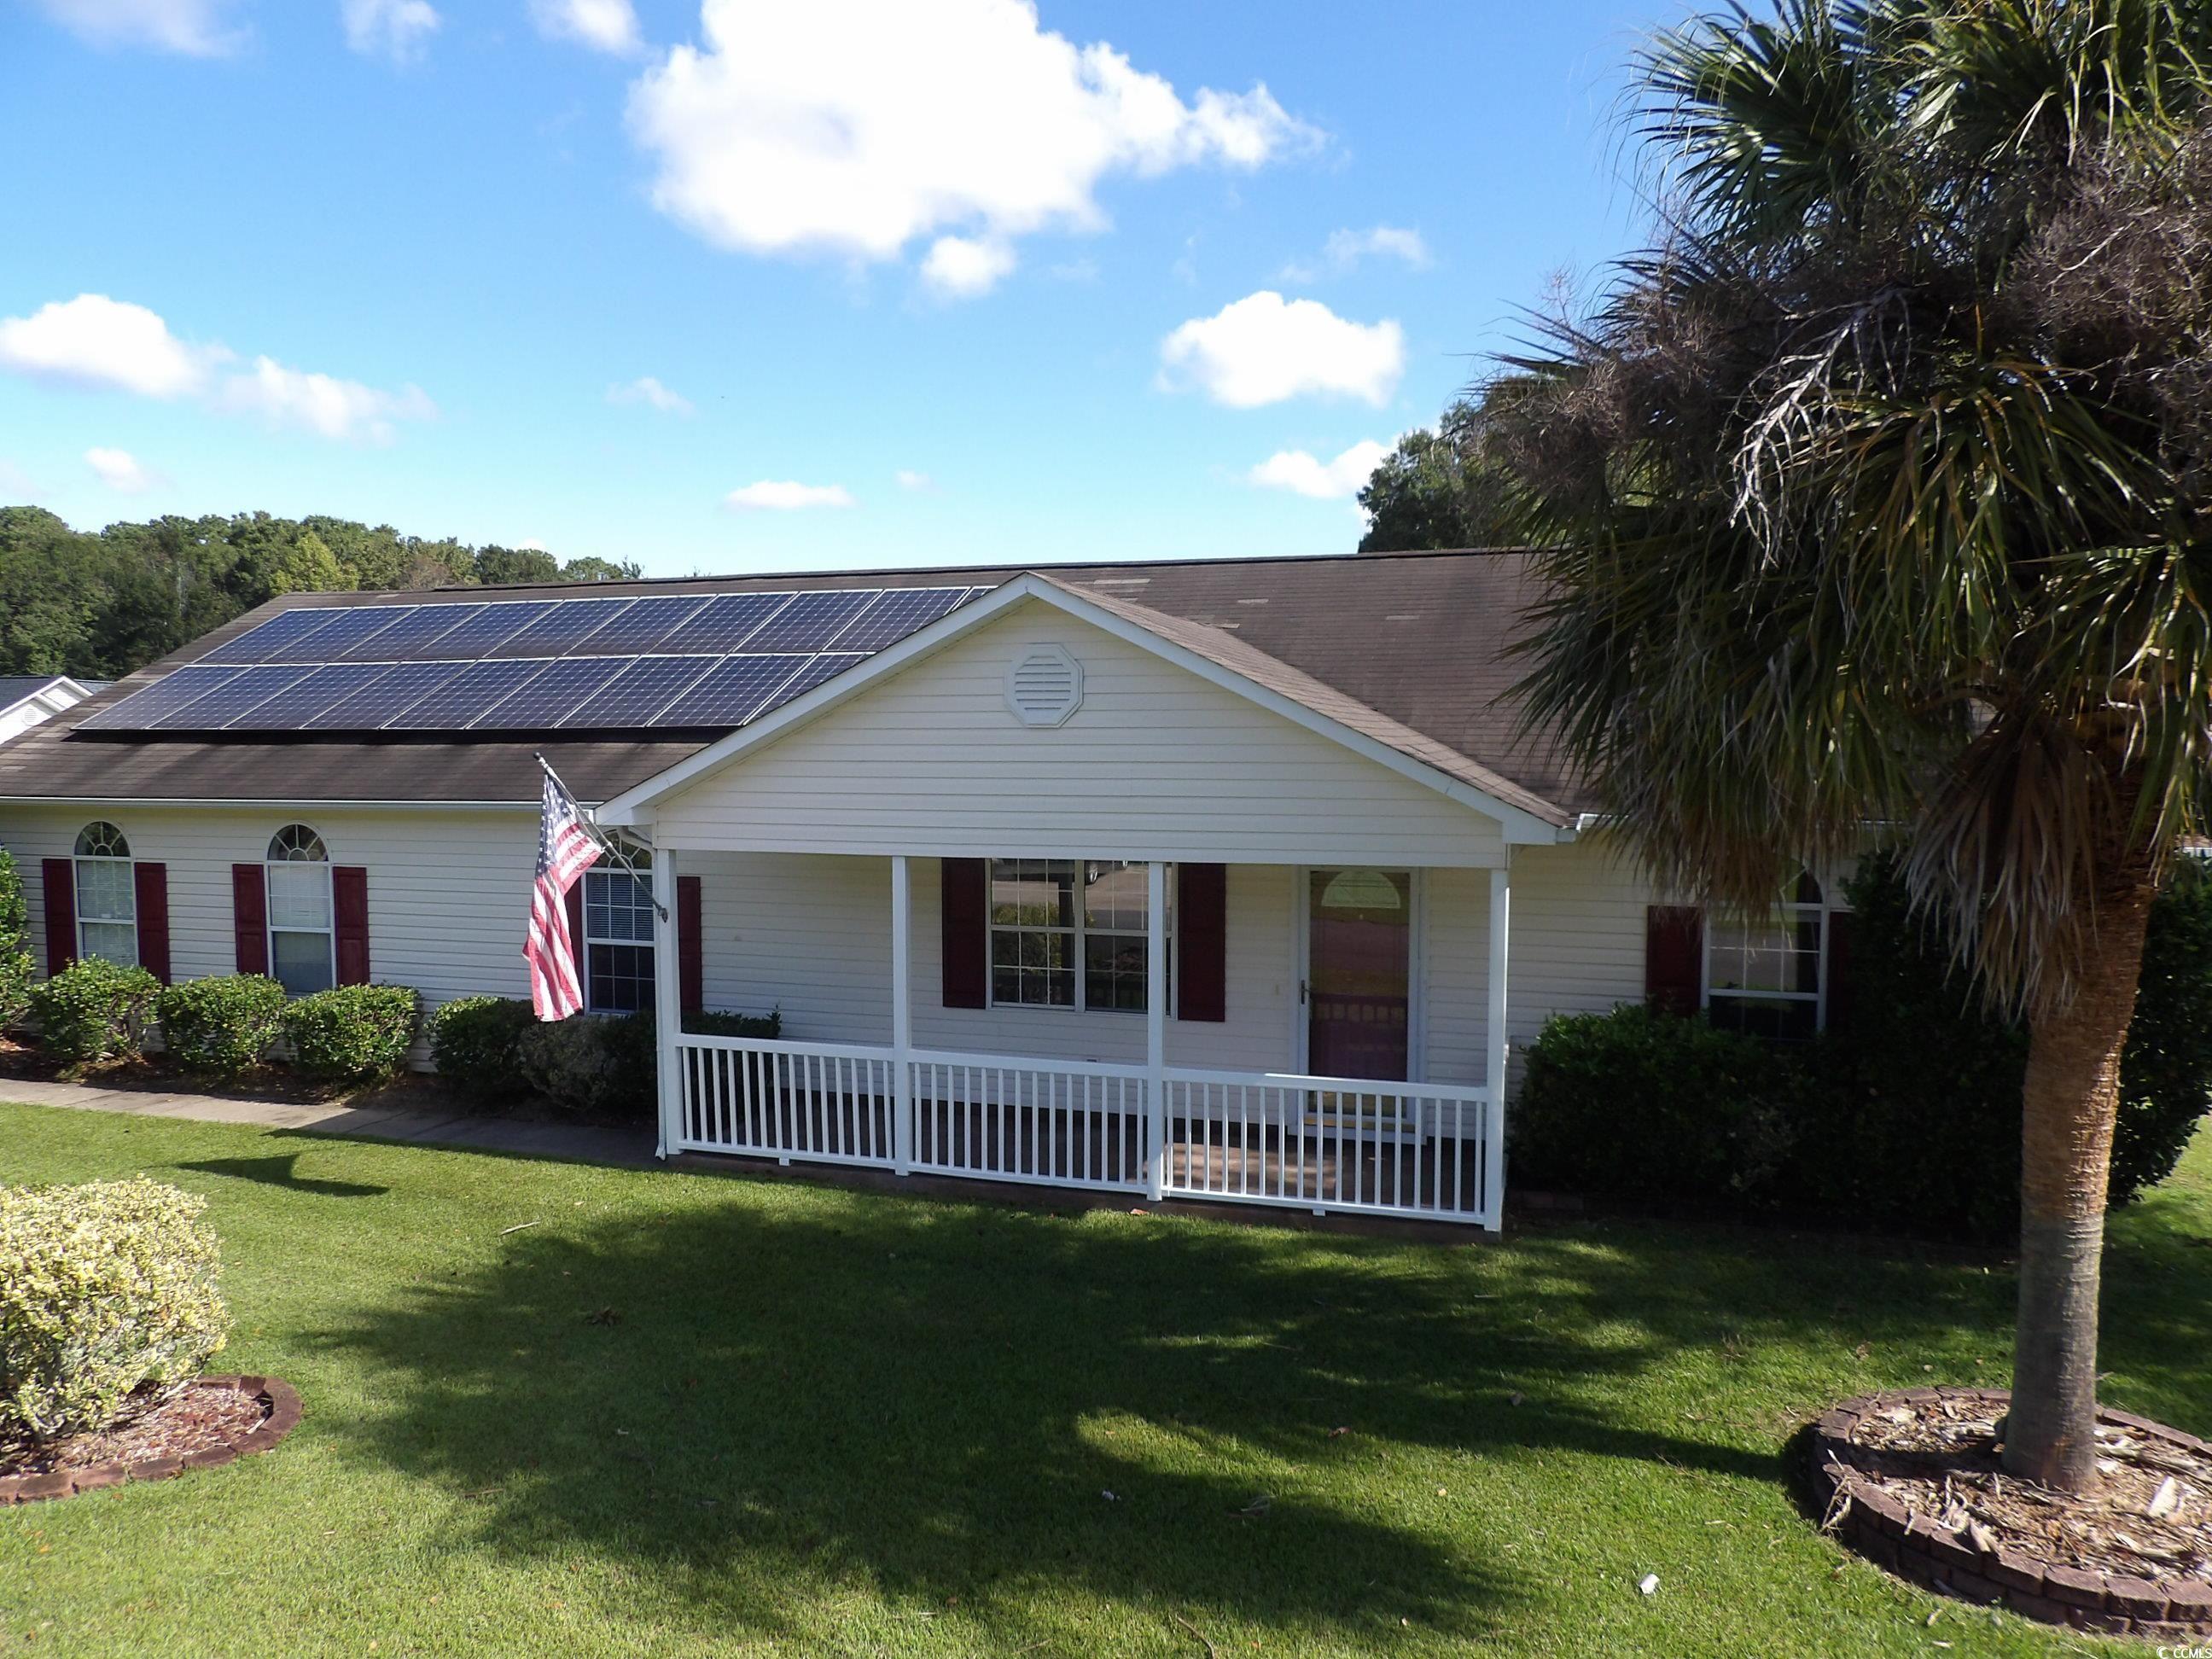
x=106 y=901
x=301 y=945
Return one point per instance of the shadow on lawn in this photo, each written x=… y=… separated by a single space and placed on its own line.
x=281 y=1172
x=762 y=1404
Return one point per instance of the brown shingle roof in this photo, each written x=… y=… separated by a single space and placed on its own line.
x=1416 y=645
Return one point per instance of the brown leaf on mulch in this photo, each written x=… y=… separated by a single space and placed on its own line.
x=151 y=1426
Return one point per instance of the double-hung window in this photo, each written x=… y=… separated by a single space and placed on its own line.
x=1763 y=972
x=107 y=900
x=1068 y=934
x=302 y=944
x=618 y=934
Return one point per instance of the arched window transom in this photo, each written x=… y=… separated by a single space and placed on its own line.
x=303 y=946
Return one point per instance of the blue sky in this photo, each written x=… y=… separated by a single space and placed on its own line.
x=904 y=282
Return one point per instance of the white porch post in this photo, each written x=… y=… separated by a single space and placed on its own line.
x=901 y=1015
x=667 y=1000
x=1156 y=1021
x=1501 y=899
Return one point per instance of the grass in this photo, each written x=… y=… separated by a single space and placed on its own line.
x=680 y=1414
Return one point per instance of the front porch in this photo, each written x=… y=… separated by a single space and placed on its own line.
x=1142 y=1125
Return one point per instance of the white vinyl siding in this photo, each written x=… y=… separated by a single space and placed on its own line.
x=1156 y=764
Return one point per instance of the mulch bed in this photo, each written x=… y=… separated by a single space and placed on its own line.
x=210 y=1421
x=1914 y=1482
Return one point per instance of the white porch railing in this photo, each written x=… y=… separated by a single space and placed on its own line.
x=1321 y=1143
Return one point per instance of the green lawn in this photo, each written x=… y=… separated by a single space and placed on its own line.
x=817 y=1421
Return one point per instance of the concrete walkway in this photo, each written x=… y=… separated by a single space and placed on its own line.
x=587 y=1143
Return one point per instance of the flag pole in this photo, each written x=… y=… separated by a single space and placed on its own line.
x=606 y=843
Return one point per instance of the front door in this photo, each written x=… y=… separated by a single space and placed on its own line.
x=1358 y=972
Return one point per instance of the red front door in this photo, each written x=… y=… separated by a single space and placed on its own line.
x=1358 y=972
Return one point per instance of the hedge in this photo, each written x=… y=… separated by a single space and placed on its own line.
x=94 y=1010
x=221 y=1026
x=353 y=1033
x=14 y=942
x=605 y=1065
x=476 y=1042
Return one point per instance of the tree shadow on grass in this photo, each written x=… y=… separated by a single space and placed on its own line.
x=280 y=1171
x=765 y=1403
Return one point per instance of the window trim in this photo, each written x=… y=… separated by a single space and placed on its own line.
x=269 y=930
x=1078 y=956
x=1818 y=910
x=641 y=859
x=128 y=860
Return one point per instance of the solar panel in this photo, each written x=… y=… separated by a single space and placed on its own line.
x=378 y=700
x=165 y=696
x=561 y=628
x=403 y=642
x=460 y=699
x=829 y=665
x=256 y=644
x=810 y=620
x=646 y=625
x=894 y=614
x=491 y=626
x=547 y=695
x=340 y=628
x=724 y=624
x=296 y=701
x=231 y=699
x=731 y=692
x=633 y=696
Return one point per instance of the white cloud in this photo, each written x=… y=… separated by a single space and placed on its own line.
x=770 y=496
x=397 y=29
x=647 y=389
x=1263 y=349
x=17 y=485
x=1302 y=473
x=1345 y=249
x=909 y=479
x=94 y=341
x=119 y=470
x=106 y=344
x=857 y=127
x=198 y=29
x=603 y=25
x=960 y=268
x=529 y=547
x=322 y=403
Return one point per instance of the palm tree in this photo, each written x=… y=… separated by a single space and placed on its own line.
x=1877 y=498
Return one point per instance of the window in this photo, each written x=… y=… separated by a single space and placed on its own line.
x=1762 y=973
x=618 y=935
x=301 y=943
x=1068 y=934
x=107 y=902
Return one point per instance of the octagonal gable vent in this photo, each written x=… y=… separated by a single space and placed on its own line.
x=1044 y=685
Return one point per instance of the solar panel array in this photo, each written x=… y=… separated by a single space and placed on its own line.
x=665 y=661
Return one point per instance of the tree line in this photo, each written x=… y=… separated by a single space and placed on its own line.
x=95 y=604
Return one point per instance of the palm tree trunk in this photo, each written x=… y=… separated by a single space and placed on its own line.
x=2070 y=1102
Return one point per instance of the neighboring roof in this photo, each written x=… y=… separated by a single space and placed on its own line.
x=21 y=688
x=1413 y=646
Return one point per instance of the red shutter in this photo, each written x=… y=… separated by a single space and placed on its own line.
x=576 y=951
x=149 y=892
x=1202 y=941
x=249 y=916
x=964 y=943
x=1674 y=957
x=349 y=902
x=1839 y=969
x=61 y=914
x=690 y=959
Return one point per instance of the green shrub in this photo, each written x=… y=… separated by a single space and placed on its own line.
x=478 y=1044
x=94 y=1010
x=104 y=1289
x=353 y=1033
x=221 y=1026
x=14 y=948
x=2166 y=1070
x=1651 y=1108
x=607 y=1066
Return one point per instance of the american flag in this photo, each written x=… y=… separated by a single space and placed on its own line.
x=565 y=850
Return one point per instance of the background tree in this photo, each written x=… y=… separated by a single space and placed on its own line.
x=1437 y=489
x=97 y=605
x=1880 y=492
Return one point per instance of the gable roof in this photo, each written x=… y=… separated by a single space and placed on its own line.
x=16 y=688
x=1411 y=650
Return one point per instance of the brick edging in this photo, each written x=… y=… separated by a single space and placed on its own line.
x=280 y=1414
x=1874 y=1522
